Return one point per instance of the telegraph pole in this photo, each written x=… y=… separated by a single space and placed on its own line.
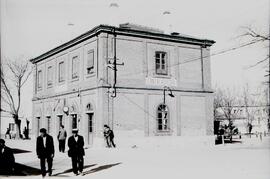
x=269 y=71
x=114 y=66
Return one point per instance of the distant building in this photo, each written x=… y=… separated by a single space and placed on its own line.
x=76 y=83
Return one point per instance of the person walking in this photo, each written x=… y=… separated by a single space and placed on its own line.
x=7 y=160
x=109 y=135
x=45 y=151
x=106 y=136
x=62 y=135
x=76 y=152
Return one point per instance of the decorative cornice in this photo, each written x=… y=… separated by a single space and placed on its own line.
x=125 y=32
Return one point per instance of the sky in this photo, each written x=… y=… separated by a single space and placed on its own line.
x=32 y=27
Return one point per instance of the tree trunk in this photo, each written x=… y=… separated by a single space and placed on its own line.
x=18 y=126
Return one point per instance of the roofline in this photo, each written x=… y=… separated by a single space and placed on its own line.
x=126 y=32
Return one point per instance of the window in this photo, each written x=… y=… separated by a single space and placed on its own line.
x=39 y=78
x=49 y=76
x=161 y=63
x=90 y=62
x=162 y=118
x=49 y=124
x=61 y=72
x=75 y=67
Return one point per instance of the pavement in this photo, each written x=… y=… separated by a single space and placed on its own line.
x=248 y=158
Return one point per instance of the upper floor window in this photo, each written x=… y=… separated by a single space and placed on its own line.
x=39 y=79
x=49 y=76
x=161 y=63
x=61 y=72
x=75 y=67
x=90 y=62
x=162 y=118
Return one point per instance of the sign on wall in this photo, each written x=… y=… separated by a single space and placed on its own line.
x=160 y=81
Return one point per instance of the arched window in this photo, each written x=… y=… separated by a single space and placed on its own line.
x=162 y=118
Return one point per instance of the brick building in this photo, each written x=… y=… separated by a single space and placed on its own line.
x=76 y=84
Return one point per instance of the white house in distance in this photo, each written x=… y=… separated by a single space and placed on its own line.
x=78 y=84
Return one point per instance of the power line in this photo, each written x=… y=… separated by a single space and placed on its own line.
x=197 y=58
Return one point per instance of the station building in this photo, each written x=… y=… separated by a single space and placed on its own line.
x=131 y=77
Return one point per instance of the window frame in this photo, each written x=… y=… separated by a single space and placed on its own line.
x=159 y=66
x=61 y=72
x=163 y=130
x=39 y=79
x=50 y=75
x=92 y=68
x=75 y=66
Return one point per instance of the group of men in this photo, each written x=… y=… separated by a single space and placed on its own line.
x=45 y=150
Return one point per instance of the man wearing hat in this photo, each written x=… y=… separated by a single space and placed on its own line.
x=76 y=151
x=7 y=160
x=45 y=151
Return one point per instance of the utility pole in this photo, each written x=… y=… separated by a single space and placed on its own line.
x=269 y=71
x=114 y=66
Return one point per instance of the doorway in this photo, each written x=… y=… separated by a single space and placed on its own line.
x=74 y=121
x=90 y=127
x=38 y=125
x=49 y=130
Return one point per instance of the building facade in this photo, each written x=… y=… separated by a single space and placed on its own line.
x=121 y=76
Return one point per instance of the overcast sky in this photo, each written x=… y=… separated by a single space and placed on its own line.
x=31 y=27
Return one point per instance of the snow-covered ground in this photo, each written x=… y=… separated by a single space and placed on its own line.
x=166 y=158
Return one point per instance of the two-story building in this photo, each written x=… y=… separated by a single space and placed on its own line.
x=83 y=84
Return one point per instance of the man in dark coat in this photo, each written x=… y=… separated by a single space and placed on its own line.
x=76 y=151
x=45 y=151
x=7 y=159
x=109 y=136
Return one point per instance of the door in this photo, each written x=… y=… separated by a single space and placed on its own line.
x=38 y=125
x=74 y=121
x=90 y=127
x=59 y=122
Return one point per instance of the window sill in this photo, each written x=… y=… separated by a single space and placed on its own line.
x=90 y=75
x=61 y=83
x=162 y=76
x=163 y=133
x=74 y=79
x=49 y=86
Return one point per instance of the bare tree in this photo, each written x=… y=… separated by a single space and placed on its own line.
x=248 y=102
x=14 y=74
x=251 y=34
x=225 y=100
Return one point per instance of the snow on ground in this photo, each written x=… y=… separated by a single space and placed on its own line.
x=174 y=159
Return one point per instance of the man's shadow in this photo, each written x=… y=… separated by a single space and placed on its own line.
x=70 y=170
x=100 y=168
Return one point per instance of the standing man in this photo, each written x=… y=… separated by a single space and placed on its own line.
x=76 y=151
x=7 y=160
x=62 y=135
x=45 y=151
x=109 y=135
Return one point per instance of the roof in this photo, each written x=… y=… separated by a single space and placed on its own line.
x=143 y=33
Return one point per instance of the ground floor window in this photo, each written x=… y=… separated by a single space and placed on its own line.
x=49 y=124
x=90 y=122
x=162 y=118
